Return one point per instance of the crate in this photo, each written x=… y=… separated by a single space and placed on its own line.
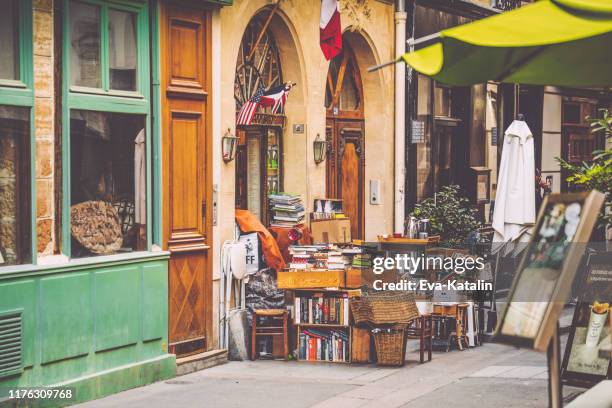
x=311 y=279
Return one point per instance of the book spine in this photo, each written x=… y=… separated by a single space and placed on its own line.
x=310 y=312
x=297 y=310
x=346 y=311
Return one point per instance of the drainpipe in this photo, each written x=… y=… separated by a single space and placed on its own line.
x=400 y=119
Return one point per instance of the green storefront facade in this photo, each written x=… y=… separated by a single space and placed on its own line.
x=94 y=323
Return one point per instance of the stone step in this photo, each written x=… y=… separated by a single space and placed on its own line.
x=200 y=361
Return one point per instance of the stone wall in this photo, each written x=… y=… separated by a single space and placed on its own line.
x=44 y=124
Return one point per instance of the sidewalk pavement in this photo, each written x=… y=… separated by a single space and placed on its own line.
x=492 y=375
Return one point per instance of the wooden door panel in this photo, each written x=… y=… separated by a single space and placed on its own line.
x=186 y=215
x=186 y=66
x=349 y=182
x=187 y=297
x=185 y=37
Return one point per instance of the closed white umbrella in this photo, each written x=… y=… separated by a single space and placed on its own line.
x=514 y=211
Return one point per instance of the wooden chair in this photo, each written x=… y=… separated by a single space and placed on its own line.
x=276 y=316
x=422 y=329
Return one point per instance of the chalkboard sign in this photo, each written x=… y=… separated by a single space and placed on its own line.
x=547 y=269
x=587 y=353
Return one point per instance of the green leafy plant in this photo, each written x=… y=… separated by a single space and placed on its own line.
x=597 y=174
x=450 y=216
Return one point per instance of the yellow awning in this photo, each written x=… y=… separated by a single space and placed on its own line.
x=560 y=42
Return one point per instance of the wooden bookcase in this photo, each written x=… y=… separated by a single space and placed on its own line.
x=358 y=338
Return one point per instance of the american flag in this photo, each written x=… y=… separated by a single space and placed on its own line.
x=274 y=97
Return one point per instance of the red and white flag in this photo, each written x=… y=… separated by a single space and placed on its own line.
x=329 y=29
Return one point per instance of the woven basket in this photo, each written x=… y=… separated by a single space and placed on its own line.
x=390 y=346
x=384 y=308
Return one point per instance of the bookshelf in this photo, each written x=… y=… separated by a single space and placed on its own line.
x=324 y=330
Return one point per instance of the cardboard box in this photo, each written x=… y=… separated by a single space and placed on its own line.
x=336 y=231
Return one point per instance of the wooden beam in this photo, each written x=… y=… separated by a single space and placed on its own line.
x=263 y=29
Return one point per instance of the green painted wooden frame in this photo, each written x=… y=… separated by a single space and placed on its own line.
x=106 y=100
x=21 y=93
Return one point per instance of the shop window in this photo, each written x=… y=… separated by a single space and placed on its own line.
x=14 y=186
x=108 y=183
x=88 y=66
x=9 y=40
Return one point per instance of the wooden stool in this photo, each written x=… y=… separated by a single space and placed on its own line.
x=276 y=315
x=421 y=329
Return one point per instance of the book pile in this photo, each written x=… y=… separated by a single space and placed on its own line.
x=362 y=261
x=323 y=345
x=319 y=309
x=337 y=260
x=304 y=256
x=326 y=256
x=286 y=210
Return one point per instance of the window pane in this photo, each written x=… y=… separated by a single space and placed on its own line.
x=14 y=186
x=9 y=39
x=85 y=45
x=442 y=101
x=122 y=50
x=108 y=183
x=349 y=95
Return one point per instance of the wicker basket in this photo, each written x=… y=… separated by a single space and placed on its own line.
x=384 y=308
x=390 y=346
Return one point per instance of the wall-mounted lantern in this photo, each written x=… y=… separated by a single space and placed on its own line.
x=320 y=149
x=228 y=146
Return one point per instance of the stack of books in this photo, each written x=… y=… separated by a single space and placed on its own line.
x=337 y=260
x=327 y=257
x=323 y=345
x=304 y=256
x=362 y=261
x=319 y=309
x=286 y=210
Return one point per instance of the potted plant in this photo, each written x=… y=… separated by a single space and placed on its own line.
x=450 y=216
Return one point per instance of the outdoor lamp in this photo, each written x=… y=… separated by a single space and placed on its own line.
x=228 y=146
x=320 y=149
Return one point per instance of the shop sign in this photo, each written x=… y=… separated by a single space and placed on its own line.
x=547 y=269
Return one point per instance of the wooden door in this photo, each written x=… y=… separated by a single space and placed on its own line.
x=345 y=168
x=187 y=187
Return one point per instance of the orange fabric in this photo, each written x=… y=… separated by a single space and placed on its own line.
x=249 y=223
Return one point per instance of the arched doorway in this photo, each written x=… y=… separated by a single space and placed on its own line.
x=259 y=151
x=345 y=125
